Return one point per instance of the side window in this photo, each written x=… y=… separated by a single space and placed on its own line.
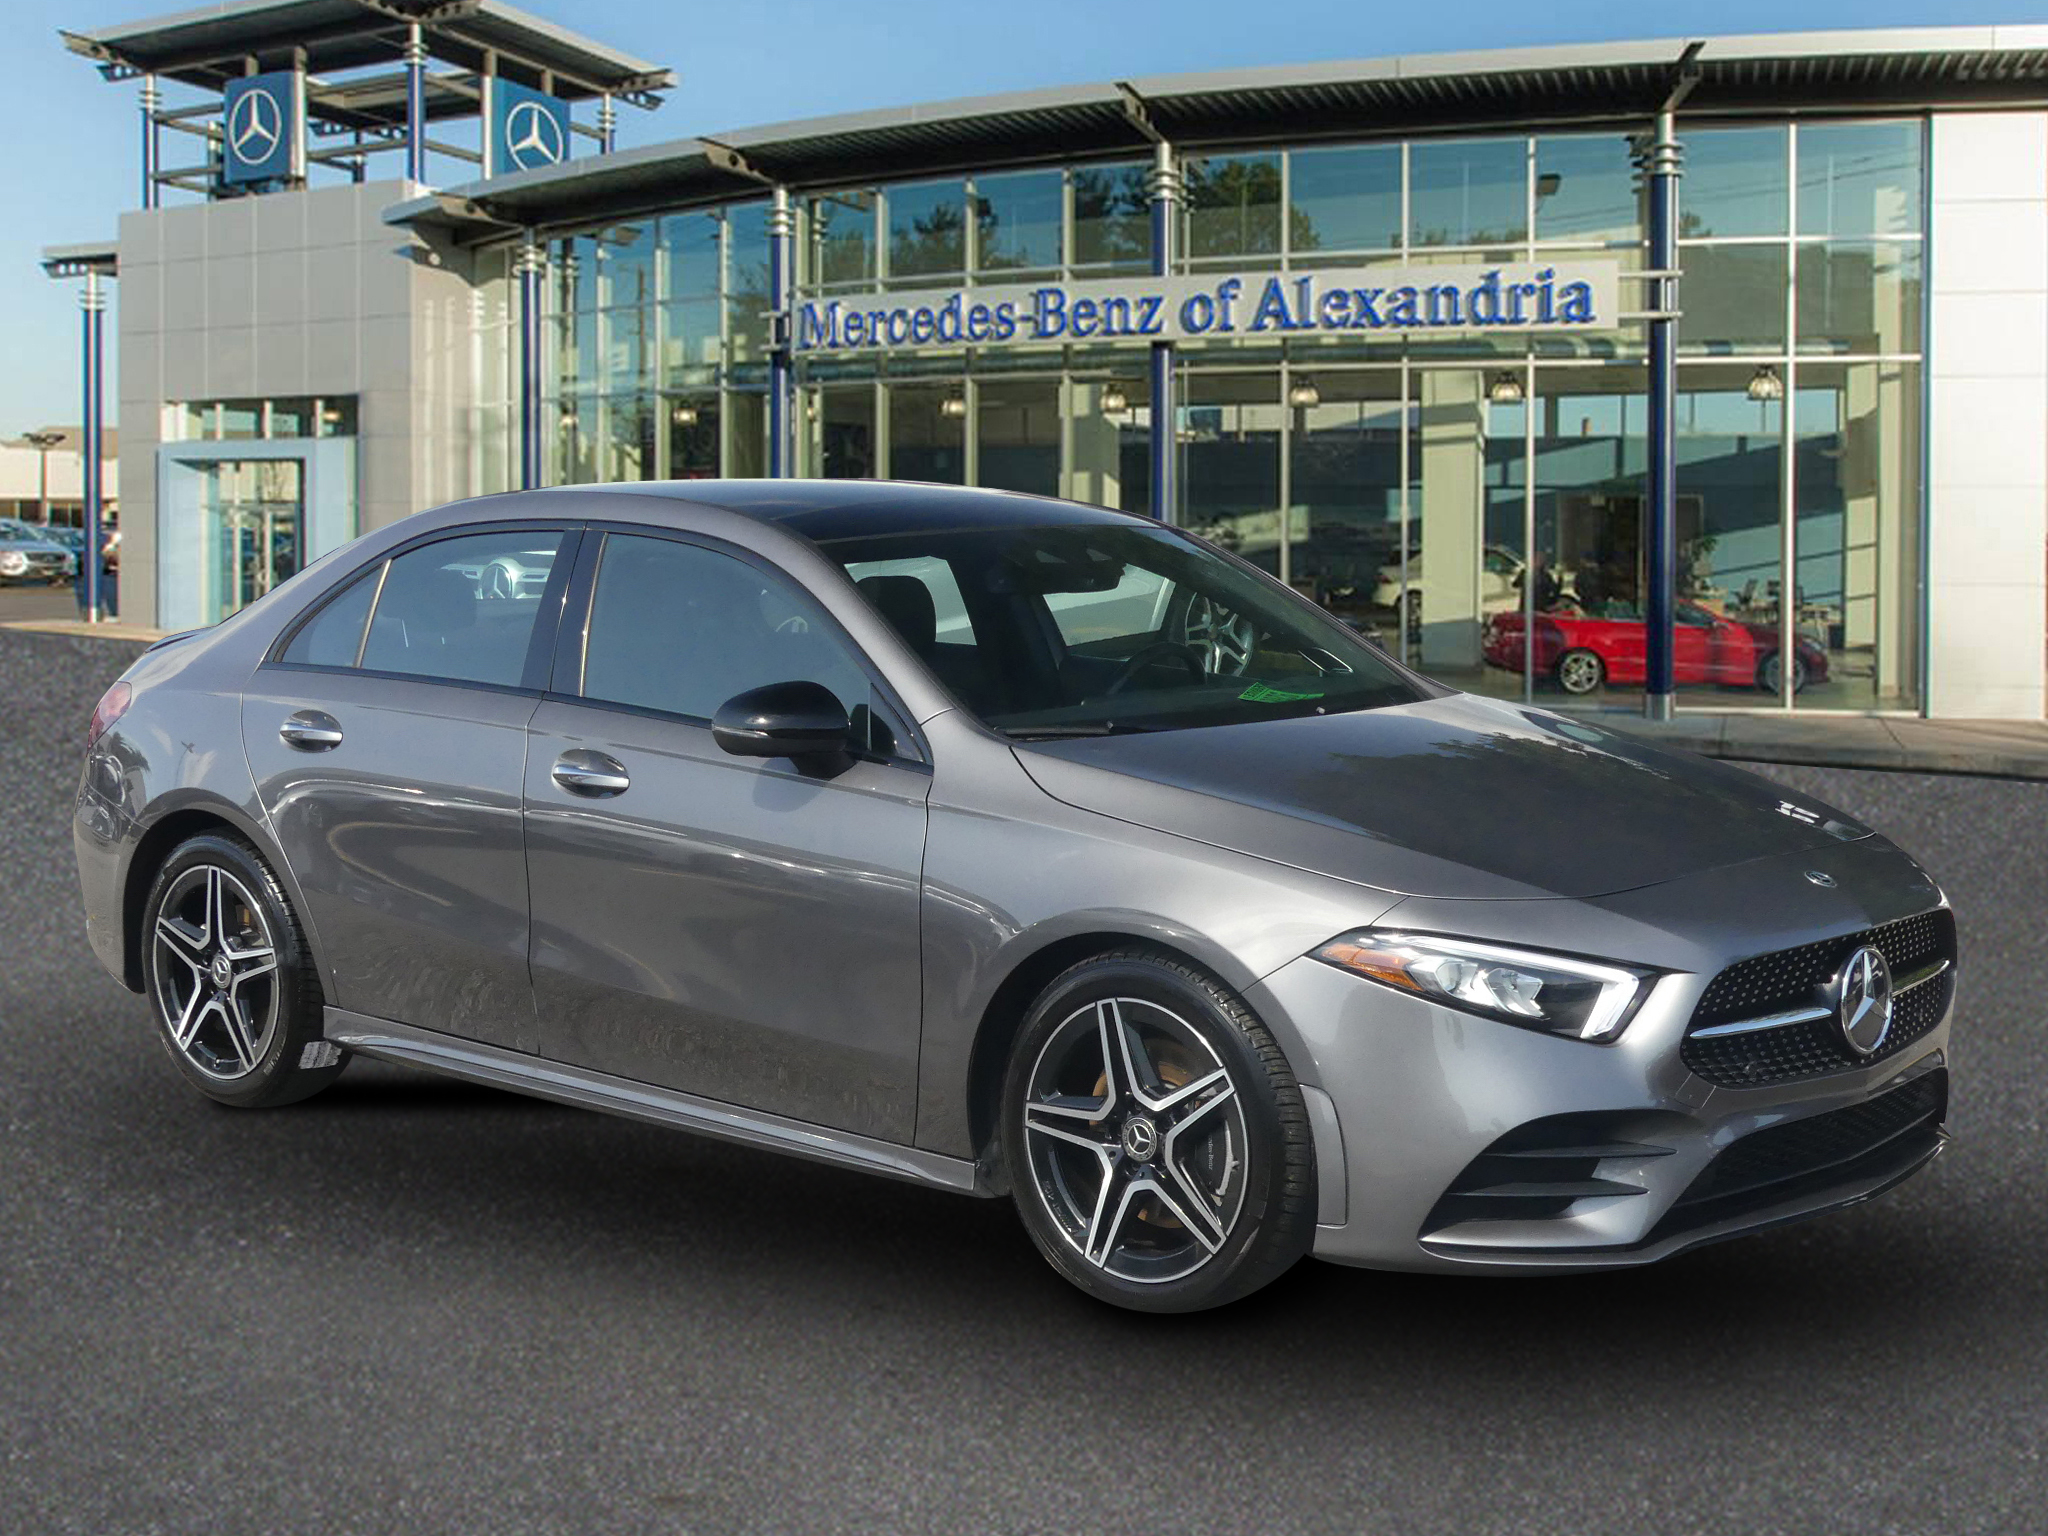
x=681 y=629
x=335 y=634
x=939 y=608
x=1134 y=606
x=463 y=608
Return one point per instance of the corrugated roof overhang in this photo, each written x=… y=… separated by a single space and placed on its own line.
x=206 y=48
x=1825 y=72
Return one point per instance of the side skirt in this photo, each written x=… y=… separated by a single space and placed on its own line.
x=488 y=1064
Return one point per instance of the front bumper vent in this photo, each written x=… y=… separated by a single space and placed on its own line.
x=1897 y=1130
x=1540 y=1170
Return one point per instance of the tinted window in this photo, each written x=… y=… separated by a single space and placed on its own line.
x=336 y=632
x=682 y=629
x=463 y=608
x=1090 y=627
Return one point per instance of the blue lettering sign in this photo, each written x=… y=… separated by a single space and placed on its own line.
x=1427 y=297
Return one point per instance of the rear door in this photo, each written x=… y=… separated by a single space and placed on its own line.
x=388 y=742
x=733 y=927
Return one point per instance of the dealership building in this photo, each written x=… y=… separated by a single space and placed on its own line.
x=1384 y=327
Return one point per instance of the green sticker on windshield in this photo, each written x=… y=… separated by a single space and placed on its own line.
x=1259 y=693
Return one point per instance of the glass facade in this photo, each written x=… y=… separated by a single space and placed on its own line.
x=1474 y=498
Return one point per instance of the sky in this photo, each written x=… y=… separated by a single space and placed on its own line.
x=73 y=161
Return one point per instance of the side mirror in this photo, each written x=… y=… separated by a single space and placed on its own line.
x=795 y=720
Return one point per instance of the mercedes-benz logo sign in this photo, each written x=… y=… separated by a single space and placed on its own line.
x=255 y=126
x=1863 y=991
x=532 y=136
x=1140 y=1138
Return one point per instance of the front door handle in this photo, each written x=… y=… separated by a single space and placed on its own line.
x=591 y=773
x=311 y=730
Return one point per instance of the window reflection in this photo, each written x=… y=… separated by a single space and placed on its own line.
x=1112 y=217
x=1346 y=199
x=1859 y=179
x=1468 y=192
x=1734 y=182
x=1017 y=223
x=1585 y=188
x=1233 y=205
x=927 y=229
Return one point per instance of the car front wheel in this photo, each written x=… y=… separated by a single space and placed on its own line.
x=1580 y=671
x=1155 y=1138
x=1770 y=673
x=236 y=996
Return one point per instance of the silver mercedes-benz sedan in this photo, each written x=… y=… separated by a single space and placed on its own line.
x=1017 y=848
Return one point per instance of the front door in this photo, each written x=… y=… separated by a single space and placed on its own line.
x=732 y=927
x=388 y=744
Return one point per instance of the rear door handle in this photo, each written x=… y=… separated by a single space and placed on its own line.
x=311 y=730
x=591 y=773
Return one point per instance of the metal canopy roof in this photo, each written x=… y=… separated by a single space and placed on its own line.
x=1613 y=83
x=101 y=256
x=206 y=48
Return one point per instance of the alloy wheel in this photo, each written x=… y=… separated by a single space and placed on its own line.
x=1136 y=1140
x=1579 y=671
x=1225 y=639
x=214 y=972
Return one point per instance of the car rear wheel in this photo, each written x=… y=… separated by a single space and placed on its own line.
x=1580 y=671
x=1155 y=1138
x=1770 y=676
x=237 y=1000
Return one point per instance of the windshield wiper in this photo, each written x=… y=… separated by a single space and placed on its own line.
x=1065 y=732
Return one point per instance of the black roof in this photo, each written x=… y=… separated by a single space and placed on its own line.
x=825 y=511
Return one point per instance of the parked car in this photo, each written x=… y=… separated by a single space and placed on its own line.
x=1140 y=891
x=1584 y=652
x=28 y=554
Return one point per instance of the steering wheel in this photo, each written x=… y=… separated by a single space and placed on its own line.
x=1140 y=659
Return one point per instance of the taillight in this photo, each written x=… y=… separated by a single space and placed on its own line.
x=112 y=706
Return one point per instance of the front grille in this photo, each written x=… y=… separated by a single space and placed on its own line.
x=1890 y=1133
x=1796 y=978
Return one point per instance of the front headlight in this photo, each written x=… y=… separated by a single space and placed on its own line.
x=1562 y=995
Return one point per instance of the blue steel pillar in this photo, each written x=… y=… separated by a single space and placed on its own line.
x=1164 y=184
x=152 y=99
x=93 y=303
x=781 y=376
x=1658 y=157
x=529 y=265
x=415 y=103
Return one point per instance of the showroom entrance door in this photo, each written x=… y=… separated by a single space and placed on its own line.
x=234 y=519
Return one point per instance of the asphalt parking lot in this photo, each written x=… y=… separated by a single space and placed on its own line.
x=416 y=1306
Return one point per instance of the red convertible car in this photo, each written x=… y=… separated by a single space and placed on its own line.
x=1583 y=651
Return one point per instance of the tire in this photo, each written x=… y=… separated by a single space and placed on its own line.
x=230 y=978
x=1580 y=671
x=1245 y=1157
x=1768 y=679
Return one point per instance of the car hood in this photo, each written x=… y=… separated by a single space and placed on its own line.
x=1459 y=797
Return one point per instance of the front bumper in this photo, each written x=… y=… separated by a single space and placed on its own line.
x=1408 y=1096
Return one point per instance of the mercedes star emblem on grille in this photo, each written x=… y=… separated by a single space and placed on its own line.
x=1864 y=988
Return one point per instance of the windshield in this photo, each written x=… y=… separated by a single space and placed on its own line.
x=1093 y=628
